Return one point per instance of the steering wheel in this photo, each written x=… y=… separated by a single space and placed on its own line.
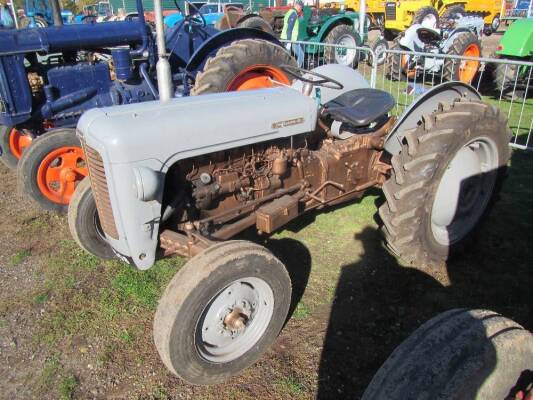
x=192 y=18
x=323 y=80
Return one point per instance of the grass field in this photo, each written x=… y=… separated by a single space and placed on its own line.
x=76 y=327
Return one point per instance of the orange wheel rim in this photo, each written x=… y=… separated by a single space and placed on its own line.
x=258 y=77
x=59 y=173
x=18 y=141
x=405 y=67
x=468 y=68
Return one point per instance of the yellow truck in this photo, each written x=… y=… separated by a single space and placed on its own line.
x=399 y=15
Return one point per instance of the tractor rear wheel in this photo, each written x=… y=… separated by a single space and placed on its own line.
x=221 y=311
x=397 y=64
x=84 y=223
x=342 y=35
x=244 y=65
x=50 y=169
x=464 y=44
x=443 y=181
x=427 y=16
x=256 y=23
x=459 y=354
x=12 y=143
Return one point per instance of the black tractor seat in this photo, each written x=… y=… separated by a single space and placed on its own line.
x=359 y=107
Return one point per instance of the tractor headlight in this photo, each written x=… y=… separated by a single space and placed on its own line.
x=147 y=183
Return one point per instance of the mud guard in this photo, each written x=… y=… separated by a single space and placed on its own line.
x=427 y=103
x=211 y=46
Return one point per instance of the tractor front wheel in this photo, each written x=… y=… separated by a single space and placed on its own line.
x=221 y=311
x=344 y=36
x=443 y=181
x=464 y=44
x=244 y=65
x=50 y=169
x=13 y=142
x=84 y=223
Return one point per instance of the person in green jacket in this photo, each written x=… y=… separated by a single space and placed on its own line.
x=291 y=25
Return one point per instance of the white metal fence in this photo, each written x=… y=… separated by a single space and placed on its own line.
x=407 y=74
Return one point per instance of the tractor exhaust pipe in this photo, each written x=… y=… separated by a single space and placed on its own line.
x=56 y=12
x=164 y=75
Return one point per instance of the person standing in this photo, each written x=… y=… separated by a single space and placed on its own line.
x=6 y=19
x=291 y=27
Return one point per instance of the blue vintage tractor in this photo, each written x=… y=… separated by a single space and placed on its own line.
x=39 y=14
x=49 y=77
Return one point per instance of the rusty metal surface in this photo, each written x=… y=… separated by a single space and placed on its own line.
x=183 y=245
x=269 y=184
x=100 y=190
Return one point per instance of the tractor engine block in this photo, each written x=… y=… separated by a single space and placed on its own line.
x=313 y=170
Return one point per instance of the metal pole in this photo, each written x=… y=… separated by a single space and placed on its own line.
x=164 y=75
x=14 y=12
x=56 y=12
x=362 y=18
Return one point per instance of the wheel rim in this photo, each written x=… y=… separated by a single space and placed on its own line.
x=258 y=77
x=464 y=191
x=495 y=24
x=429 y=21
x=234 y=320
x=468 y=68
x=343 y=55
x=59 y=172
x=379 y=51
x=18 y=141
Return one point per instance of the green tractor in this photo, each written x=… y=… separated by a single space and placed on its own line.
x=516 y=45
x=324 y=26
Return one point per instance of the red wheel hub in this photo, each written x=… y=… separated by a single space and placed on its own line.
x=18 y=141
x=59 y=172
x=258 y=77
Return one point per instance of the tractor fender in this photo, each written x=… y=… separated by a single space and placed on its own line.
x=332 y=23
x=446 y=44
x=426 y=104
x=517 y=40
x=215 y=42
x=410 y=39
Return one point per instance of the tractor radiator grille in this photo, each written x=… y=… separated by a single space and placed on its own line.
x=390 y=11
x=100 y=190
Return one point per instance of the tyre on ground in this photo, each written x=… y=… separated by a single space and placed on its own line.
x=342 y=35
x=221 y=311
x=459 y=354
x=444 y=181
x=397 y=67
x=464 y=44
x=243 y=65
x=51 y=168
x=84 y=223
x=12 y=143
x=379 y=47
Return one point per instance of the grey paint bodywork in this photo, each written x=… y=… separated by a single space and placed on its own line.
x=425 y=104
x=138 y=143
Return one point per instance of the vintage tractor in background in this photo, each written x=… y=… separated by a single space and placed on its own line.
x=39 y=14
x=97 y=65
x=400 y=15
x=456 y=35
x=324 y=25
x=182 y=176
x=516 y=44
